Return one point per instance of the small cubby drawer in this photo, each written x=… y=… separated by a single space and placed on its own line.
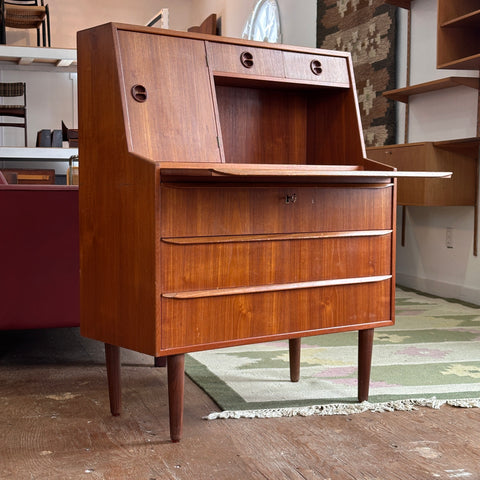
x=248 y=60
x=317 y=68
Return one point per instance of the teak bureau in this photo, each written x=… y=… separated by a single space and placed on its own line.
x=225 y=199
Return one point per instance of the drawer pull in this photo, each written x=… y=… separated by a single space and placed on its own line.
x=139 y=93
x=290 y=199
x=247 y=59
x=316 y=67
x=220 y=292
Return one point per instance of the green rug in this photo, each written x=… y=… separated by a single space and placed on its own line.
x=430 y=357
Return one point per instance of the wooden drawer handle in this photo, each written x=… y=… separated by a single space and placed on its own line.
x=247 y=59
x=139 y=93
x=316 y=67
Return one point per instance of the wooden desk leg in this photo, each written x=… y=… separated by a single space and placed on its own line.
x=112 y=359
x=294 y=346
x=176 y=384
x=365 y=346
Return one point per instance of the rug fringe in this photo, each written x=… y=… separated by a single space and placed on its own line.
x=345 y=408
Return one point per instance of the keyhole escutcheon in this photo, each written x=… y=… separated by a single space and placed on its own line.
x=290 y=198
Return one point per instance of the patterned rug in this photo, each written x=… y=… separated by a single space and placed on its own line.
x=431 y=355
x=366 y=29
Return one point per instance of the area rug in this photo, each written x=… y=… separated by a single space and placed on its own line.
x=366 y=29
x=431 y=356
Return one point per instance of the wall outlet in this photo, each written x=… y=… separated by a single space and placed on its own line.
x=449 y=237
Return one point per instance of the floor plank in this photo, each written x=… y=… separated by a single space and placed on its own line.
x=55 y=424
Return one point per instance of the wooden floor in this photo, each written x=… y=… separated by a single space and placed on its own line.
x=55 y=424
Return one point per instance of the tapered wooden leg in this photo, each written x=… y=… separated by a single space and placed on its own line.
x=365 y=346
x=112 y=358
x=160 y=361
x=294 y=345
x=176 y=385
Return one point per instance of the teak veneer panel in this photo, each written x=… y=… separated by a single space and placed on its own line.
x=236 y=319
x=236 y=210
x=168 y=108
x=243 y=262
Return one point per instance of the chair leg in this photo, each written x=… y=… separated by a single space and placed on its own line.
x=365 y=347
x=112 y=358
x=47 y=15
x=3 y=39
x=294 y=345
x=176 y=387
x=44 y=34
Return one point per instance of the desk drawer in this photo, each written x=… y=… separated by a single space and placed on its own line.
x=245 y=60
x=232 y=319
x=248 y=210
x=317 y=68
x=199 y=263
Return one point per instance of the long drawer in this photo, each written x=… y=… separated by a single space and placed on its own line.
x=209 y=322
x=199 y=263
x=188 y=211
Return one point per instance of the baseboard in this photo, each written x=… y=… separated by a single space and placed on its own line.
x=442 y=289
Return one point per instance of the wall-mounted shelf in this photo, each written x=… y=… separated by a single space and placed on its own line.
x=25 y=153
x=38 y=58
x=403 y=94
x=458 y=35
x=471 y=19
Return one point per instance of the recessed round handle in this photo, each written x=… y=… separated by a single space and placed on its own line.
x=247 y=59
x=139 y=93
x=316 y=67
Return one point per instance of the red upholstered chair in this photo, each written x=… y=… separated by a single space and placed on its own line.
x=39 y=280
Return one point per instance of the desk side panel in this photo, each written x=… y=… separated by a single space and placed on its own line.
x=117 y=207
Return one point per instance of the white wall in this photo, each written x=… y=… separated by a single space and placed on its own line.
x=68 y=16
x=49 y=97
x=425 y=262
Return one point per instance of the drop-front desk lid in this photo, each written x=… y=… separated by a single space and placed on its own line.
x=218 y=171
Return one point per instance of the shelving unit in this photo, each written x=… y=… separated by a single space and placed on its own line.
x=458 y=34
x=458 y=30
x=403 y=94
x=38 y=58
